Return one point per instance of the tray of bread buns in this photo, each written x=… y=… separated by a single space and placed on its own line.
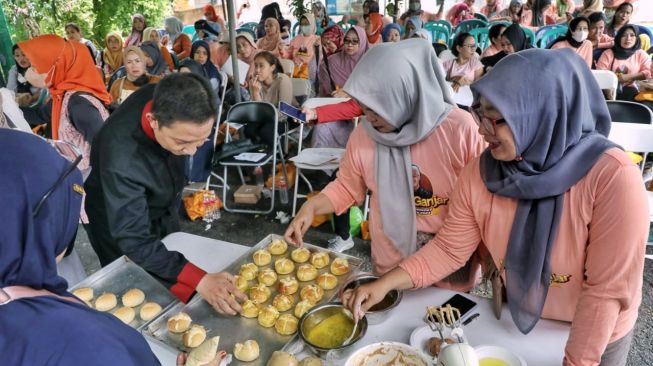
x=125 y=290
x=281 y=282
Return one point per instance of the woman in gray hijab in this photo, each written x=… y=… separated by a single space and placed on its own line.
x=156 y=65
x=561 y=209
x=412 y=140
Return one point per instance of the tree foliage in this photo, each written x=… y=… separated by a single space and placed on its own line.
x=95 y=17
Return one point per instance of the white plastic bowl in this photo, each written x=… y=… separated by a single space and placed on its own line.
x=382 y=353
x=505 y=355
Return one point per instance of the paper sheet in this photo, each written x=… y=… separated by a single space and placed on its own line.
x=253 y=157
x=317 y=158
x=464 y=96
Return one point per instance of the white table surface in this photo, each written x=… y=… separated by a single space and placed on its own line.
x=544 y=345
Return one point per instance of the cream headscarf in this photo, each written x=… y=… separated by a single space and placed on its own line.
x=418 y=101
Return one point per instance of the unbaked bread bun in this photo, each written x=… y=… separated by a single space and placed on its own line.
x=262 y=257
x=288 y=286
x=280 y=358
x=125 y=314
x=267 y=316
x=286 y=324
x=302 y=307
x=106 y=302
x=278 y=247
x=306 y=272
x=241 y=283
x=133 y=298
x=259 y=293
x=247 y=351
x=203 y=354
x=312 y=293
x=283 y=302
x=84 y=293
x=250 y=309
x=248 y=271
x=311 y=361
x=327 y=281
x=300 y=255
x=268 y=277
x=320 y=259
x=149 y=310
x=194 y=336
x=179 y=323
x=340 y=266
x=284 y=266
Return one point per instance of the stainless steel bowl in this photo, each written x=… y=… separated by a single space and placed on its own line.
x=392 y=299
x=317 y=314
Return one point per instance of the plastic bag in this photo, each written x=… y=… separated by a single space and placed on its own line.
x=355 y=220
x=194 y=205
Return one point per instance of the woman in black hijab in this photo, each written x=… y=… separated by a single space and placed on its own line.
x=513 y=39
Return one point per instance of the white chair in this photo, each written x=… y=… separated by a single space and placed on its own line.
x=288 y=66
x=607 y=81
x=637 y=138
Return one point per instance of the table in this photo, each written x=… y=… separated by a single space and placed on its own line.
x=544 y=345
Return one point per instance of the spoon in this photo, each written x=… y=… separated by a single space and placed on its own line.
x=351 y=336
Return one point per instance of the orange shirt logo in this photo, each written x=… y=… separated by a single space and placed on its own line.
x=426 y=203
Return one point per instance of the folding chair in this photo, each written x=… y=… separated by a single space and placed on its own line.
x=607 y=81
x=247 y=113
x=548 y=34
x=629 y=112
x=288 y=66
x=302 y=90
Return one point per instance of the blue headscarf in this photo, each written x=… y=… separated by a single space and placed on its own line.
x=386 y=30
x=417 y=22
x=46 y=330
x=560 y=130
x=208 y=66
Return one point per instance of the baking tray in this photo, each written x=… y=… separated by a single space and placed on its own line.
x=237 y=329
x=122 y=275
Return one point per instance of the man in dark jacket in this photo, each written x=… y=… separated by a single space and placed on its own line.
x=134 y=190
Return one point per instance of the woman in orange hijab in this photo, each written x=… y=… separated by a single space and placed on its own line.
x=78 y=93
x=373 y=28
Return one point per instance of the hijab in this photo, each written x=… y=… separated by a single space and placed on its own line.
x=568 y=36
x=136 y=37
x=311 y=23
x=538 y=12
x=70 y=68
x=22 y=85
x=194 y=67
x=335 y=34
x=211 y=29
x=29 y=248
x=517 y=38
x=147 y=34
x=153 y=51
x=341 y=65
x=417 y=22
x=208 y=66
x=272 y=39
x=386 y=31
x=376 y=21
x=250 y=40
x=417 y=105
x=457 y=13
x=621 y=53
x=560 y=131
x=209 y=9
x=112 y=58
x=174 y=27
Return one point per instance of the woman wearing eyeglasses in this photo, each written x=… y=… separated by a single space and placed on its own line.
x=561 y=209
x=413 y=140
x=466 y=67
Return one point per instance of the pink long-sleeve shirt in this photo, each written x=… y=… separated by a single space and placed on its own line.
x=440 y=158
x=638 y=62
x=584 y=51
x=597 y=258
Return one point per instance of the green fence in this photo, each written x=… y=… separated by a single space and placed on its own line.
x=5 y=44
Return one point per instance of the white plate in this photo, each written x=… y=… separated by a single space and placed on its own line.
x=420 y=336
x=510 y=357
x=383 y=353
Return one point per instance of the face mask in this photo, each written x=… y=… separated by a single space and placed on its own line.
x=306 y=30
x=415 y=6
x=579 y=36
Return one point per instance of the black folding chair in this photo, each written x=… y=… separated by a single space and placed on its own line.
x=629 y=112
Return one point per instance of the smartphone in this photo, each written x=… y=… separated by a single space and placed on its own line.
x=463 y=304
x=292 y=112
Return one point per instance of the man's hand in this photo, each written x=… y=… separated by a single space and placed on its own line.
x=219 y=290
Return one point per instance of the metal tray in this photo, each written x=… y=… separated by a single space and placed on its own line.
x=122 y=275
x=237 y=329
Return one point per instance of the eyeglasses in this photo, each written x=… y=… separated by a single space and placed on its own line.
x=470 y=46
x=66 y=150
x=488 y=124
x=350 y=41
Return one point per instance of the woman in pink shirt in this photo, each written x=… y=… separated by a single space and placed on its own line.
x=549 y=198
x=495 y=39
x=466 y=67
x=302 y=48
x=491 y=8
x=627 y=60
x=409 y=163
x=576 y=39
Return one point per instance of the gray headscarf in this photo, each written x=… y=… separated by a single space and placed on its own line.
x=159 y=66
x=174 y=27
x=412 y=95
x=559 y=122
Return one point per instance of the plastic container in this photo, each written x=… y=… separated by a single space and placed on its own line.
x=260 y=182
x=283 y=191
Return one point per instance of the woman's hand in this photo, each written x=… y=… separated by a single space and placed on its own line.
x=311 y=114
x=362 y=298
x=455 y=86
x=624 y=78
x=300 y=224
x=340 y=94
x=182 y=357
x=255 y=87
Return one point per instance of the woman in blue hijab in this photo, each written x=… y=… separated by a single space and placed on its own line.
x=201 y=52
x=561 y=209
x=42 y=323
